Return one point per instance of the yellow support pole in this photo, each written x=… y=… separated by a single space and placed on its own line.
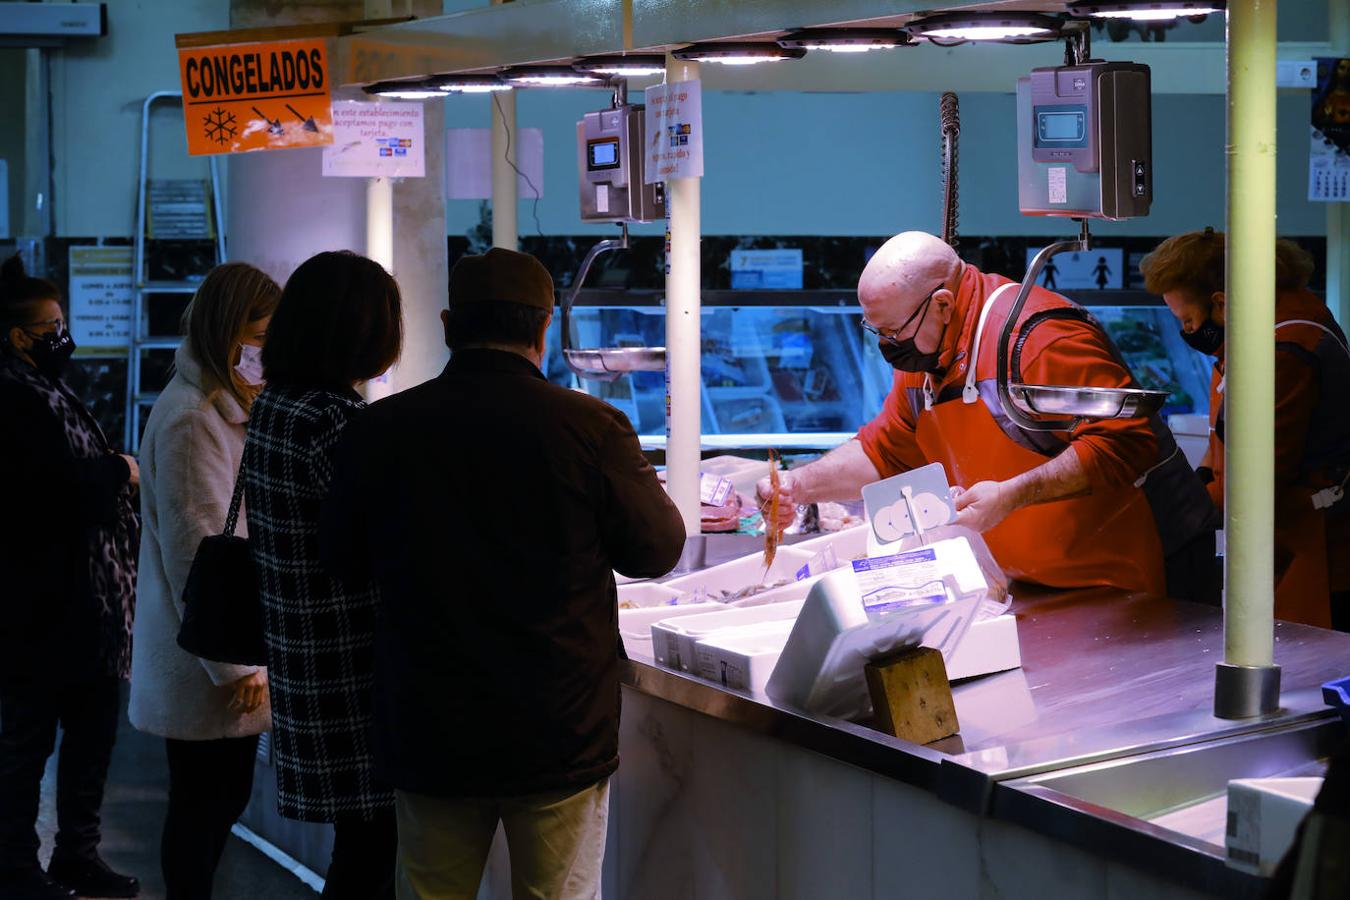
x=1247 y=681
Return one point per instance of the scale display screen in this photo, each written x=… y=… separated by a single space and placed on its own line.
x=1061 y=126
x=602 y=154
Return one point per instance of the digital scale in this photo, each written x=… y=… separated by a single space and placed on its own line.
x=1084 y=151
x=1085 y=143
x=609 y=150
x=610 y=172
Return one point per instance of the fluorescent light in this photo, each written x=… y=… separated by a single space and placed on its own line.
x=845 y=40
x=470 y=84
x=550 y=76
x=635 y=66
x=738 y=53
x=974 y=26
x=1146 y=11
x=411 y=89
x=985 y=32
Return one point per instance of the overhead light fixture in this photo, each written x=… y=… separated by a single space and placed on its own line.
x=469 y=84
x=1003 y=26
x=634 y=66
x=1160 y=11
x=737 y=53
x=845 y=40
x=408 y=89
x=550 y=76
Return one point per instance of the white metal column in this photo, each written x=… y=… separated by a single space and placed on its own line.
x=683 y=306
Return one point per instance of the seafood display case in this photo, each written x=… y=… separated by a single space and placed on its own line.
x=798 y=362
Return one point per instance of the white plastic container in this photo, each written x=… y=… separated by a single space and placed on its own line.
x=650 y=602
x=849 y=544
x=844 y=624
x=674 y=639
x=744 y=572
x=742 y=658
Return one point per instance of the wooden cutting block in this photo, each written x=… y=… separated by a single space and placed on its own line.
x=911 y=696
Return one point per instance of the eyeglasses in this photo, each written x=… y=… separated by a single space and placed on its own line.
x=921 y=308
x=867 y=327
x=58 y=322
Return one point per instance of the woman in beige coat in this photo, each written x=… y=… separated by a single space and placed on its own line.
x=209 y=713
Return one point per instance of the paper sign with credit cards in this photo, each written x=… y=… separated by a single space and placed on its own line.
x=373 y=140
x=266 y=96
x=884 y=502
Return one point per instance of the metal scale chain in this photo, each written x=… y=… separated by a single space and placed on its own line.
x=949 y=118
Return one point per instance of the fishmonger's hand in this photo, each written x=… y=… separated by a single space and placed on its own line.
x=788 y=499
x=984 y=505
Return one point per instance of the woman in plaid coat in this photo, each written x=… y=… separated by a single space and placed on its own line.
x=338 y=324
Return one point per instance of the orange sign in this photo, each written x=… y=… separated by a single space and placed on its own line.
x=241 y=97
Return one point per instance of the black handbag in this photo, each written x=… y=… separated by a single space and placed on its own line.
x=222 y=615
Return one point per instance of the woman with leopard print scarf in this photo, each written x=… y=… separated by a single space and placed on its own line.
x=68 y=545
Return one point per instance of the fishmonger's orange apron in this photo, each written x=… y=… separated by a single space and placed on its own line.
x=1302 y=584
x=1108 y=537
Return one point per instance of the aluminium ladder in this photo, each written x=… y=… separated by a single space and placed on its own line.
x=139 y=341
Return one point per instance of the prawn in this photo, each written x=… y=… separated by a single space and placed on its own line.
x=772 y=530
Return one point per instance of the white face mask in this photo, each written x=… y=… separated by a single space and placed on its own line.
x=250 y=367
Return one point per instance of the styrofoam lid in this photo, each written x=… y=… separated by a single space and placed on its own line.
x=751 y=639
x=733 y=617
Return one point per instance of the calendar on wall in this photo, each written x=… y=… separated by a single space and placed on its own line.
x=1329 y=151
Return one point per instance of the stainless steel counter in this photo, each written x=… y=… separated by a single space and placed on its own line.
x=1105 y=676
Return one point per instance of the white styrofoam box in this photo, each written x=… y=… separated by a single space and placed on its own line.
x=744 y=473
x=645 y=594
x=650 y=602
x=849 y=544
x=742 y=658
x=1263 y=816
x=835 y=635
x=989 y=646
x=673 y=639
x=743 y=572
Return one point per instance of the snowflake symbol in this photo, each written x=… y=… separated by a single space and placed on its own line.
x=220 y=125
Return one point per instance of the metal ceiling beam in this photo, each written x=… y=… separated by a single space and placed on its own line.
x=545 y=31
x=1176 y=68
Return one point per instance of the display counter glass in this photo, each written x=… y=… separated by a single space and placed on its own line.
x=798 y=362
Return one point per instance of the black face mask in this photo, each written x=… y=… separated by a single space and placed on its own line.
x=51 y=351
x=904 y=355
x=1207 y=339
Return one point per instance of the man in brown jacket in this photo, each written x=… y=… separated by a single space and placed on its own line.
x=492 y=507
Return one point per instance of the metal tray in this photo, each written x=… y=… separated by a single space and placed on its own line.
x=1087 y=402
x=617 y=360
